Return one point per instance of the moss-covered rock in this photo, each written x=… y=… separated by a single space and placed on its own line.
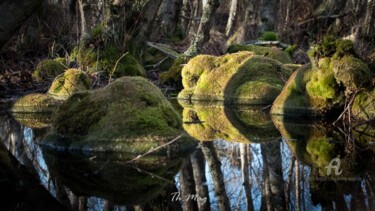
x=154 y=56
x=131 y=114
x=48 y=69
x=320 y=89
x=240 y=78
x=364 y=105
x=212 y=121
x=110 y=60
x=73 y=80
x=352 y=73
x=35 y=103
x=110 y=177
x=309 y=92
x=270 y=52
x=174 y=73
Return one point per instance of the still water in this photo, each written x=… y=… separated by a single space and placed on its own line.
x=244 y=160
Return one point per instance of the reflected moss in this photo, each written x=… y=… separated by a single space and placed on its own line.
x=216 y=121
x=36 y=103
x=34 y=120
x=317 y=143
x=109 y=176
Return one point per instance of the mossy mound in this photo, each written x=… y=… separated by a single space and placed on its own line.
x=320 y=89
x=174 y=73
x=269 y=52
x=35 y=103
x=73 y=80
x=216 y=121
x=240 y=78
x=364 y=105
x=110 y=61
x=110 y=177
x=309 y=92
x=352 y=73
x=48 y=69
x=131 y=114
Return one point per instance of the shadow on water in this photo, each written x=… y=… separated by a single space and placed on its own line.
x=245 y=160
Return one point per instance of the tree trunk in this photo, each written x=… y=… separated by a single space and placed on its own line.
x=168 y=14
x=91 y=13
x=201 y=188
x=13 y=13
x=214 y=164
x=187 y=186
x=203 y=34
x=232 y=17
x=369 y=18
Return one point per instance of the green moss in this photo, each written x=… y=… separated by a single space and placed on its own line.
x=292 y=67
x=270 y=52
x=364 y=105
x=174 y=73
x=269 y=36
x=321 y=152
x=48 y=69
x=130 y=109
x=71 y=81
x=35 y=103
x=291 y=49
x=240 y=78
x=34 y=120
x=104 y=60
x=352 y=73
x=216 y=121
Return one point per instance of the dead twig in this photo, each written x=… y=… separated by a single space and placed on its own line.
x=155 y=149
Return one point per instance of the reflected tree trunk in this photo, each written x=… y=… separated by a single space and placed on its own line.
x=289 y=184
x=214 y=164
x=274 y=183
x=298 y=202
x=187 y=186
x=245 y=176
x=201 y=188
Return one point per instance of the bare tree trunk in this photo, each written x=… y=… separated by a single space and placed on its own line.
x=201 y=188
x=168 y=14
x=13 y=14
x=91 y=13
x=232 y=17
x=245 y=176
x=369 y=18
x=269 y=15
x=187 y=186
x=185 y=14
x=298 y=201
x=217 y=175
x=203 y=34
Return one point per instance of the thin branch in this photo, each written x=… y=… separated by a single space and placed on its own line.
x=155 y=149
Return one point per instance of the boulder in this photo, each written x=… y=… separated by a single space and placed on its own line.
x=320 y=89
x=73 y=80
x=48 y=69
x=240 y=78
x=131 y=114
x=111 y=61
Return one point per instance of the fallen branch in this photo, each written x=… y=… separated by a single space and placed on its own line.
x=165 y=49
x=157 y=64
x=324 y=17
x=155 y=149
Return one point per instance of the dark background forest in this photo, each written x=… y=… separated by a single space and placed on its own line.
x=31 y=31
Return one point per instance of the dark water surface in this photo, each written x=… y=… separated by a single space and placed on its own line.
x=246 y=161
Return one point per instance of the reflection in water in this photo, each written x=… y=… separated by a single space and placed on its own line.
x=263 y=167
